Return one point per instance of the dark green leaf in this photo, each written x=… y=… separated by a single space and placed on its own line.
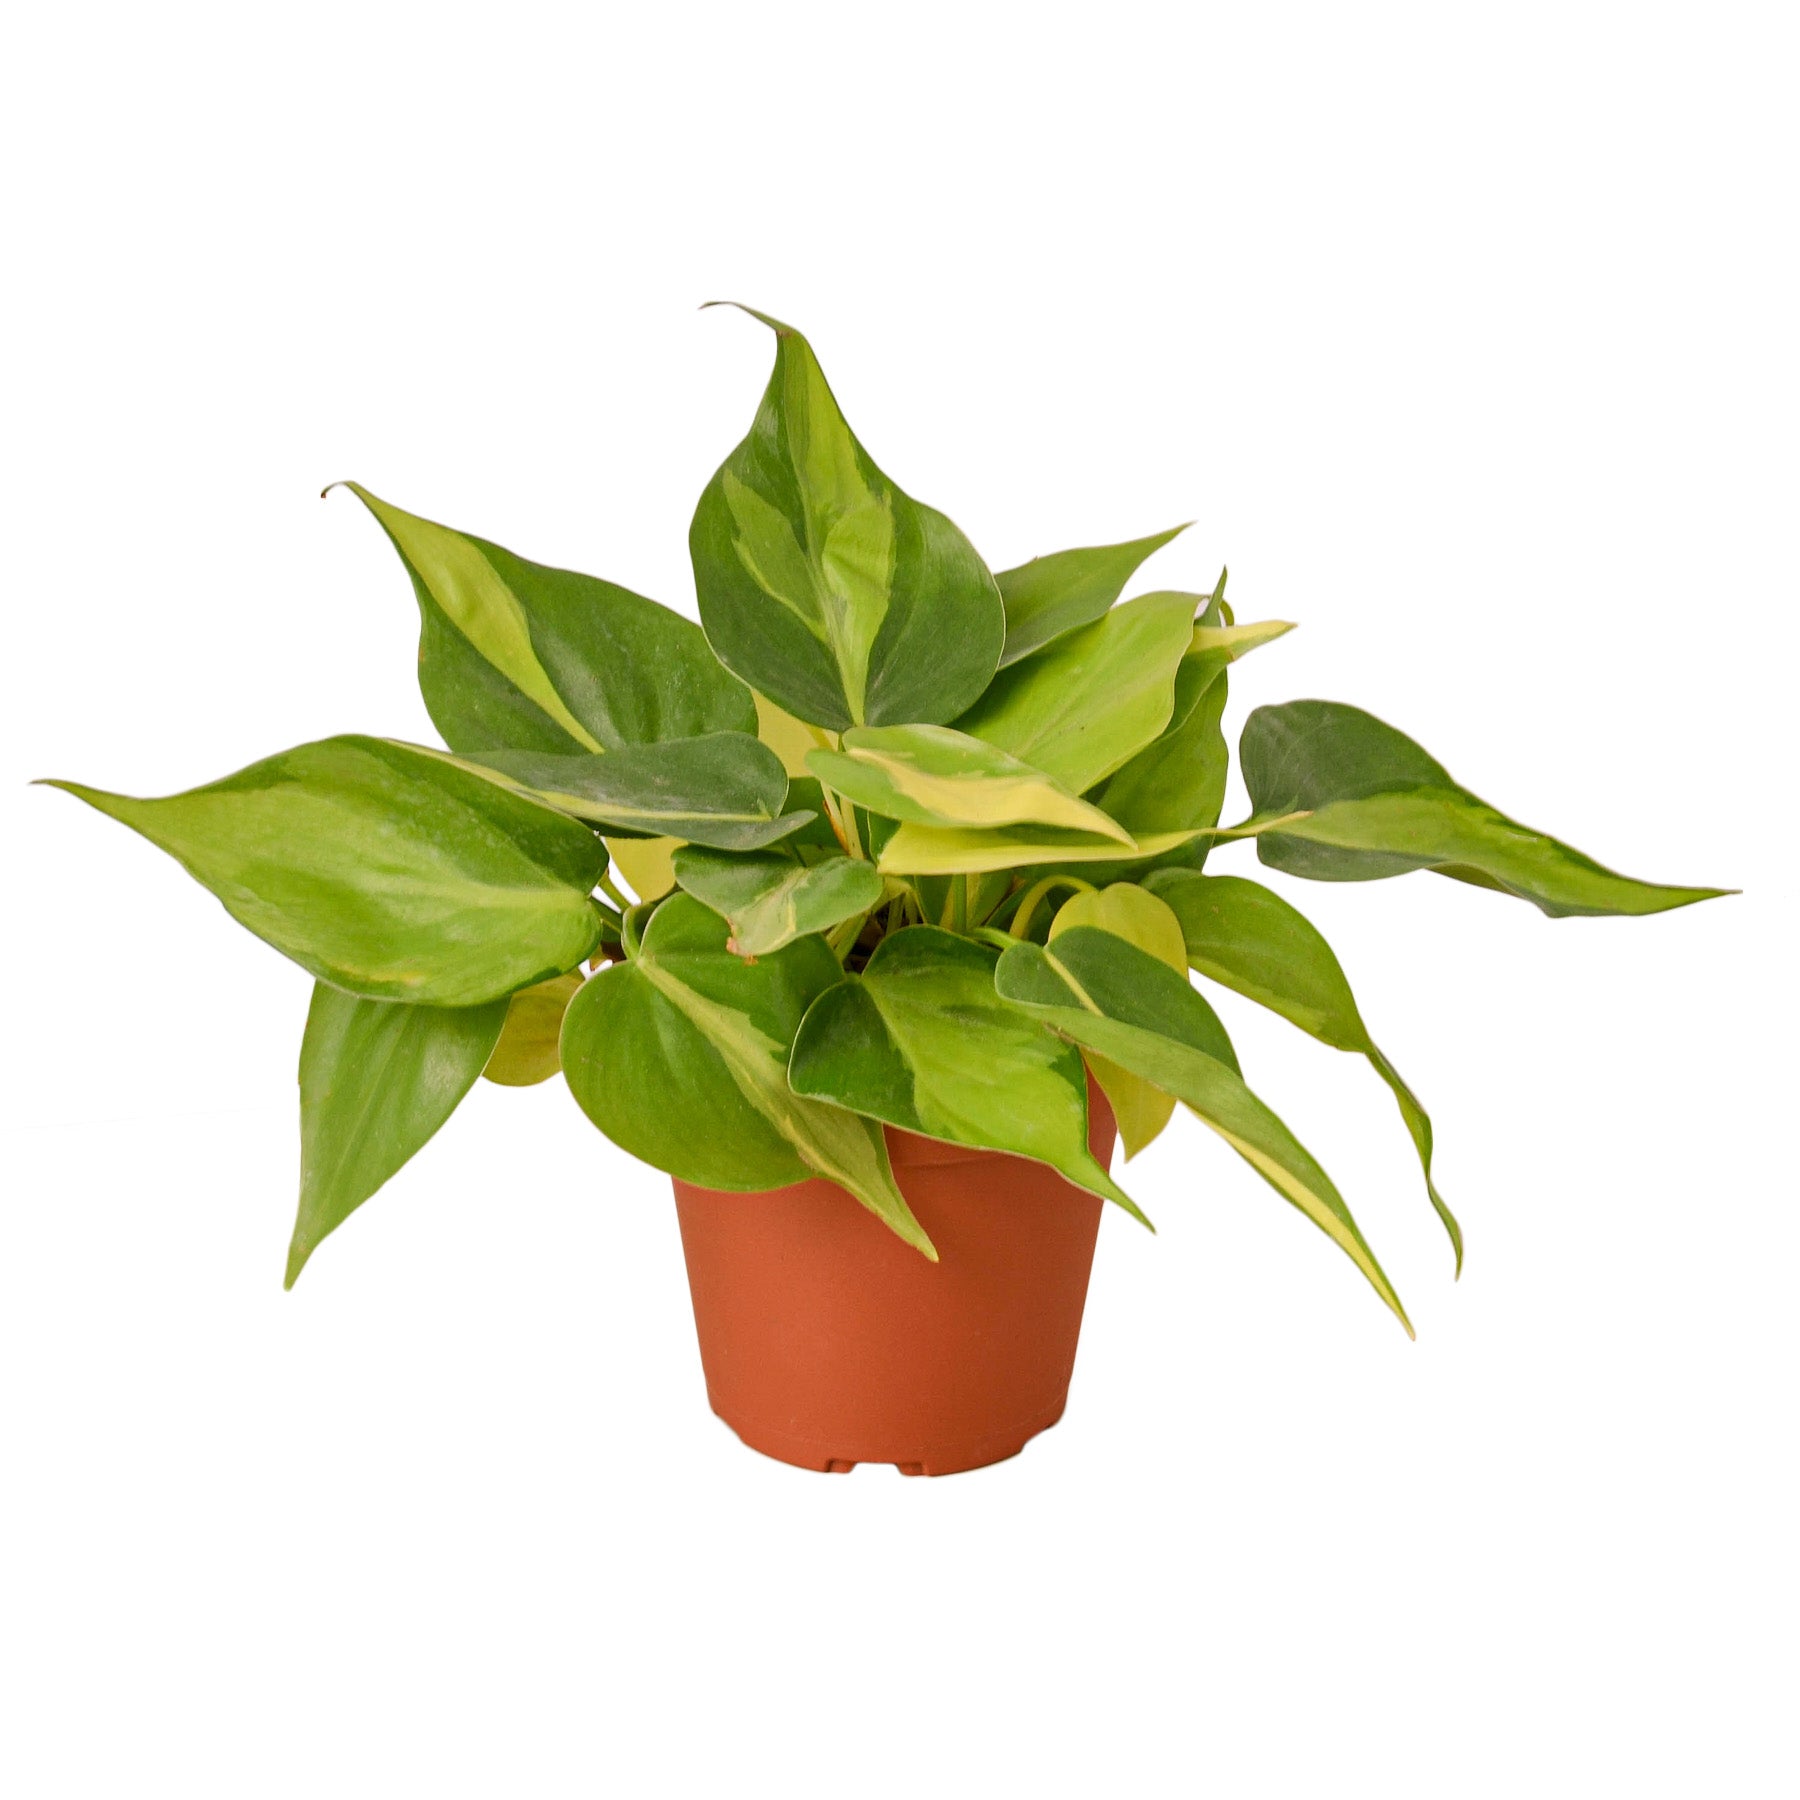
x=823 y=585
x=377 y=1078
x=513 y=655
x=680 y=1057
x=726 y=790
x=921 y=1040
x=387 y=870
x=1110 y=996
x=1378 y=805
x=1051 y=595
x=1240 y=934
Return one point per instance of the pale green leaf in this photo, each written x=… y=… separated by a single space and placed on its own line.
x=527 y=1051
x=949 y=850
x=385 y=869
x=1085 y=705
x=377 y=1079
x=937 y=776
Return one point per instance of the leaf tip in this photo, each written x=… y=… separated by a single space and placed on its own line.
x=299 y=1251
x=775 y=325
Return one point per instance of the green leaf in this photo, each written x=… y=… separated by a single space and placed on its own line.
x=513 y=655
x=1110 y=996
x=388 y=870
x=726 y=789
x=1238 y=933
x=822 y=584
x=377 y=1079
x=1143 y=1111
x=680 y=1057
x=1051 y=595
x=769 y=899
x=1083 y=707
x=937 y=776
x=1378 y=805
x=527 y=1051
x=949 y=850
x=921 y=1040
x=1177 y=782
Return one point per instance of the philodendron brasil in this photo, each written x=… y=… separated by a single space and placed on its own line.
x=913 y=843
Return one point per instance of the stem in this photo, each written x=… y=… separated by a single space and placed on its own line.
x=1029 y=905
x=959 y=903
x=632 y=933
x=1000 y=900
x=613 y=894
x=845 y=935
x=843 y=823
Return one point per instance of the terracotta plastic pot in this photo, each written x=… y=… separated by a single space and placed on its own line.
x=827 y=1342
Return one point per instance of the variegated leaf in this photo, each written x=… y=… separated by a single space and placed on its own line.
x=1371 y=803
x=517 y=656
x=822 y=584
x=385 y=869
x=936 y=776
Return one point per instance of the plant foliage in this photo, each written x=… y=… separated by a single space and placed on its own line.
x=938 y=852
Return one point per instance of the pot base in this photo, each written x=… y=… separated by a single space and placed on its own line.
x=939 y=1459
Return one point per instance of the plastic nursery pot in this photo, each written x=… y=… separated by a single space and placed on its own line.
x=827 y=1342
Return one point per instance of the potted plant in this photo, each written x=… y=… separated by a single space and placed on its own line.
x=918 y=868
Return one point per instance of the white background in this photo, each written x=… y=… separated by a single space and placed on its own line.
x=1466 y=335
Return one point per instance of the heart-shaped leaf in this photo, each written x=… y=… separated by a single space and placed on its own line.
x=1378 y=805
x=384 y=869
x=1139 y=918
x=680 y=1057
x=516 y=656
x=527 y=1052
x=822 y=584
x=1051 y=595
x=1084 y=706
x=726 y=789
x=769 y=898
x=377 y=1079
x=938 y=776
x=1238 y=933
x=921 y=1040
x=1110 y=996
